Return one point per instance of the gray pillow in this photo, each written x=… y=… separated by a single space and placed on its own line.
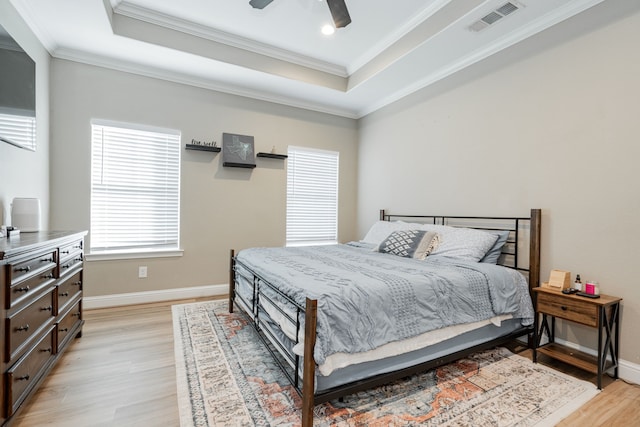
x=494 y=253
x=410 y=243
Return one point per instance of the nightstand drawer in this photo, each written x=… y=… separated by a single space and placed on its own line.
x=569 y=308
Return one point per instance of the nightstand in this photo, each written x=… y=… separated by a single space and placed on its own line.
x=602 y=314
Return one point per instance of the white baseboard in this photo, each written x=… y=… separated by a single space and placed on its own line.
x=627 y=371
x=117 y=300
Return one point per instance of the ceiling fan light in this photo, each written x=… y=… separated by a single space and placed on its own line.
x=339 y=13
x=328 y=29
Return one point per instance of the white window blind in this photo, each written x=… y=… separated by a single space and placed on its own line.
x=18 y=130
x=312 y=196
x=135 y=187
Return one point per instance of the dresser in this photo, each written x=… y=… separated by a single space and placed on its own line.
x=41 y=309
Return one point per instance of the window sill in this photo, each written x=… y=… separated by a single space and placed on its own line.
x=137 y=254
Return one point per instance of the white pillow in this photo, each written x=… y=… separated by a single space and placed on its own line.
x=381 y=230
x=461 y=243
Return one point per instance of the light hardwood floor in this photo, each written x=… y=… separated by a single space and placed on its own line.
x=121 y=373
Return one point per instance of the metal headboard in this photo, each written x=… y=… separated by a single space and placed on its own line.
x=520 y=252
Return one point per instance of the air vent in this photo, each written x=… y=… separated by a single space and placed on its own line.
x=494 y=16
x=491 y=18
x=507 y=9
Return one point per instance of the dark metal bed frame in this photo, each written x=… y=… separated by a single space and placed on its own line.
x=306 y=385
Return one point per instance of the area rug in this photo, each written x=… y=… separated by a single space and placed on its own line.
x=225 y=377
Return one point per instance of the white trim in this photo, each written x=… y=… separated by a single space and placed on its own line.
x=508 y=40
x=396 y=36
x=133 y=298
x=115 y=255
x=135 y=126
x=175 y=77
x=629 y=371
x=188 y=27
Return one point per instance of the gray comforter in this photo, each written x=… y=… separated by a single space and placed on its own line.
x=367 y=299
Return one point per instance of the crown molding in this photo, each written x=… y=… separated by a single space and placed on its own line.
x=394 y=37
x=171 y=22
x=25 y=10
x=182 y=78
x=522 y=33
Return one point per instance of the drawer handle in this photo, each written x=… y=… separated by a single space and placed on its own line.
x=78 y=259
x=65 y=252
x=76 y=314
x=23 y=328
x=25 y=289
x=27 y=268
x=64 y=329
x=64 y=294
x=47 y=260
x=23 y=378
x=46 y=308
x=563 y=307
x=78 y=283
x=66 y=266
x=48 y=276
x=46 y=350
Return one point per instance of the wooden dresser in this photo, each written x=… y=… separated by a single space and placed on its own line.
x=41 y=309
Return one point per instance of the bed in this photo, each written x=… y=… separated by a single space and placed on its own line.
x=417 y=292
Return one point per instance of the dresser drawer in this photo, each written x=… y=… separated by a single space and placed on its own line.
x=68 y=250
x=68 y=323
x=570 y=308
x=25 y=289
x=31 y=267
x=69 y=264
x=67 y=291
x=26 y=323
x=22 y=376
x=70 y=256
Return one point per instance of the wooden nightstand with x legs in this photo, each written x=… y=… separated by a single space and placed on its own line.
x=602 y=313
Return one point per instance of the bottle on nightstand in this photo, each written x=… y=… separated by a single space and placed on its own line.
x=577 y=284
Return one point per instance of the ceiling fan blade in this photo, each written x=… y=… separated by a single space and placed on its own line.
x=339 y=13
x=260 y=4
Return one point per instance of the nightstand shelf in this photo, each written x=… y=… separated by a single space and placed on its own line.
x=602 y=313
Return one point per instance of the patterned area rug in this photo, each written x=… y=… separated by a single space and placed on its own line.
x=226 y=377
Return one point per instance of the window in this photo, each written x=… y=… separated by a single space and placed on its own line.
x=135 y=188
x=18 y=128
x=312 y=197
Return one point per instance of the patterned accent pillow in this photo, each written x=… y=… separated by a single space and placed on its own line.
x=410 y=243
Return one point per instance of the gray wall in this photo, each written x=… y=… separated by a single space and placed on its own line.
x=25 y=173
x=552 y=126
x=222 y=208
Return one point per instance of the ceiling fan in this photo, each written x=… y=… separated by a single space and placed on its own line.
x=338 y=9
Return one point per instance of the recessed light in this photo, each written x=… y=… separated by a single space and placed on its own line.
x=328 y=29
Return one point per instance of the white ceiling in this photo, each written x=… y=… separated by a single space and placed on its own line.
x=391 y=48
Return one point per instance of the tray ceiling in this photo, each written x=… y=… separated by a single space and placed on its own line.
x=278 y=54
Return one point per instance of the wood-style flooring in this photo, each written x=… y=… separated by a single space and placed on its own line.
x=121 y=373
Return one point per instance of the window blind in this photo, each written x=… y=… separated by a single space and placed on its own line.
x=312 y=196
x=135 y=187
x=18 y=130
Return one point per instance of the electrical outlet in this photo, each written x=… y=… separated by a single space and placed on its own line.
x=142 y=272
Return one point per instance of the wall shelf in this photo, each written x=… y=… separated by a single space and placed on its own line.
x=239 y=165
x=273 y=156
x=202 y=148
